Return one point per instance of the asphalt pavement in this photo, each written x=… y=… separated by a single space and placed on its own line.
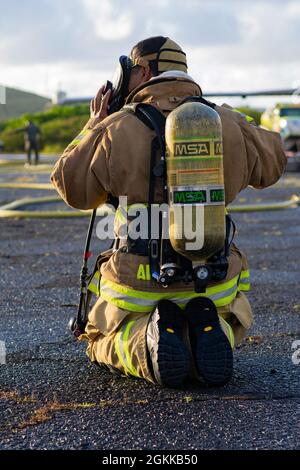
x=51 y=397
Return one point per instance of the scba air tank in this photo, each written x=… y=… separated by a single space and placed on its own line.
x=195 y=179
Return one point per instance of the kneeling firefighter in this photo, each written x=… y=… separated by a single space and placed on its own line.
x=171 y=290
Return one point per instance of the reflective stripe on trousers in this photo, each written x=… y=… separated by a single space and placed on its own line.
x=244 y=282
x=143 y=302
x=121 y=346
x=228 y=331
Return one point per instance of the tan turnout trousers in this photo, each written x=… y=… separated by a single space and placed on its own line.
x=117 y=336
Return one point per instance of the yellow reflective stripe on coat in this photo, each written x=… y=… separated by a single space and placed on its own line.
x=80 y=136
x=122 y=211
x=121 y=215
x=94 y=285
x=248 y=118
x=143 y=302
x=244 y=282
x=121 y=346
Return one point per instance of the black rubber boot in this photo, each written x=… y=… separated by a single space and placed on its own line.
x=211 y=349
x=168 y=353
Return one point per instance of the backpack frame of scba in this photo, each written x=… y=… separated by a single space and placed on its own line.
x=169 y=261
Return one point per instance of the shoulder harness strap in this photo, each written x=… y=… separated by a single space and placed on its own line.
x=156 y=121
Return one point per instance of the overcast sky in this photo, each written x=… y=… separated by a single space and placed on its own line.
x=75 y=44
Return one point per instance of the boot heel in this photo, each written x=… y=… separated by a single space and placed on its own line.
x=210 y=346
x=169 y=355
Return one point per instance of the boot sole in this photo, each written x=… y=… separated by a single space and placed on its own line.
x=211 y=348
x=173 y=361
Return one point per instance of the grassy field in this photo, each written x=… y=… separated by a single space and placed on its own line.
x=59 y=125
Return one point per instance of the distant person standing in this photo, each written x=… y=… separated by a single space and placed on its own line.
x=32 y=140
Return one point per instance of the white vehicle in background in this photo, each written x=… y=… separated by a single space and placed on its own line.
x=285 y=118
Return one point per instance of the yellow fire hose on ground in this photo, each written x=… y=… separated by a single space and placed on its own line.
x=14 y=209
x=4 y=169
x=291 y=203
x=17 y=185
x=11 y=210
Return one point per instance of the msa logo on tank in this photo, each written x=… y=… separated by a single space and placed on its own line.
x=218 y=148
x=190 y=197
x=200 y=196
x=217 y=195
x=203 y=148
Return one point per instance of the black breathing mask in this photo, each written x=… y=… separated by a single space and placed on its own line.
x=119 y=85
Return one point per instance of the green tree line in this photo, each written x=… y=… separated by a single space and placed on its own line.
x=59 y=125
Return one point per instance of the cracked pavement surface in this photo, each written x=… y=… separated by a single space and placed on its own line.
x=51 y=397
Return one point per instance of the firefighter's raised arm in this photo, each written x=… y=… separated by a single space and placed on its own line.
x=74 y=175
